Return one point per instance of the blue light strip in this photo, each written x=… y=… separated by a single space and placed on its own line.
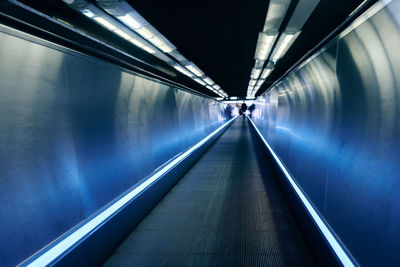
x=58 y=247
x=329 y=236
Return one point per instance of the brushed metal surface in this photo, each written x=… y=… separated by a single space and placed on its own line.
x=335 y=124
x=75 y=132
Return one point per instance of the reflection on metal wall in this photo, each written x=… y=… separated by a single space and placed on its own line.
x=335 y=123
x=75 y=132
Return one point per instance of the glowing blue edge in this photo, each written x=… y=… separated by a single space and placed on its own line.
x=340 y=252
x=58 y=247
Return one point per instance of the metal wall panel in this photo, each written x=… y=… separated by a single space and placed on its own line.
x=75 y=132
x=337 y=130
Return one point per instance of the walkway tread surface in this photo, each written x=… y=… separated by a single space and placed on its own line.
x=227 y=210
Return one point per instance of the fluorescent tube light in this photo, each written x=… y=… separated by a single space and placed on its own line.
x=200 y=81
x=88 y=13
x=129 y=21
x=253 y=82
x=145 y=33
x=260 y=82
x=183 y=70
x=300 y=15
x=216 y=86
x=136 y=42
x=285 y=41
x=255 y=73
x=193 y=68
x=122 y=34
x=264 y=45
x=178 y=56
x=208 y=80
x=105 y=23
x=259 y=64
x=275 y=15
x=166 y=48
x=156 y=41
x=148 y=49
x=233 y=97
x=265 y=73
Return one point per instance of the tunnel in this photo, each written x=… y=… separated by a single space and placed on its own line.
x=199 y=133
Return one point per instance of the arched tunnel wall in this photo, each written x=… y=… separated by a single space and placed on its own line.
x=335 y=124
x=75 y=132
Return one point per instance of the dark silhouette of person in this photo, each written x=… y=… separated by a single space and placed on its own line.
x=252 y=108
x=243 y=109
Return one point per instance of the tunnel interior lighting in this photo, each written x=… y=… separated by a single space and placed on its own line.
x=123 y=20
x=264 y=45
x=88 y=13
x=330 y=237
x=49 y=255
x=208 y=80
x=145 y=33
x=105 y=23
x=265 y=73
x=123 y=34
x=285 y=41
x=183 y=70
x=130 y=21
x=193 y=68
x=260 y=82
x=275 y=14
x=301 y=14
x=259 y=64
x=200 y=81
x=255 y=73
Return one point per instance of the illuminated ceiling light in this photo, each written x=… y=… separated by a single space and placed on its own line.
x=210 y=87
x=285 y=41
x=145 y=33
x=136 y=42
x=156 y=41
x=193 y=68
x=233 y=97
x=200 y=81
x=260 y=82
x=122 y=34
x=148 y=49
x=255 y=73
x=265 y=73
x=216 y=86
x=259 y=64
x=183 y=70
x=208 y=80
x=166 y=48
x=253 y=82
x=219 y=98
x=300 y=15
x=264 y=45
x=105 y=23
x=129 y=21
x=178 y=56
x=88 y=13
x=275 y=15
